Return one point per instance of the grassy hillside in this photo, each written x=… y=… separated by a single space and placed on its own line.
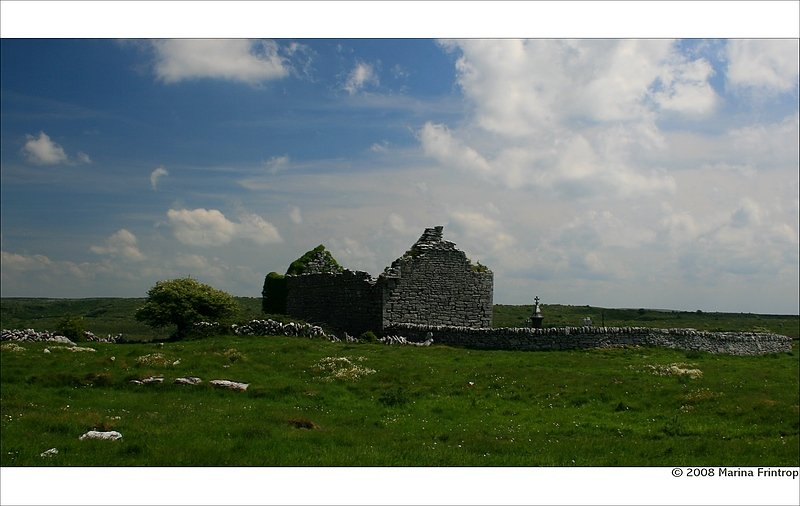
x=112 y=316
x=316 y=403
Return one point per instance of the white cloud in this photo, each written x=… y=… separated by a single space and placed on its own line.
x=22 y=263
x=486 y=234
x=201 y=227
x=748 y=214
x=765 y=144
x=241 y=60
x=277 y=164
x=209 y=227
x=439 y=143
x=157 y=174
x=254 y=228
x=43 y=151
x=686 y=88
x=575 y=117
x=295 y=215
x=120 y=244
x=83 y=158
x=362 y=75
x=194 y=265
x=767 y=64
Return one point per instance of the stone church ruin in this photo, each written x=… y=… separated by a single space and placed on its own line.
x=433 y=283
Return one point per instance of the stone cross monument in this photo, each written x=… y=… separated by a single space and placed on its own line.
x=536 y=317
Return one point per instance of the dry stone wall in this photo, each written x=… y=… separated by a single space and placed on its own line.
x=567 y=338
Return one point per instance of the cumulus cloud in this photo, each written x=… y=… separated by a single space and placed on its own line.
x=22 y=263
x=255 y=228
x=23 y=274
x=121 y=244
x=210 y=227
x=767 y=64
x=247 y=61
x=575 y=117
x=487 y=234
x=42 y=150
x=157 y=174
x=362 y=75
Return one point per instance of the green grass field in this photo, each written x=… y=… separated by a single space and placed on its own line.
x=317 y=403
x=436 y=406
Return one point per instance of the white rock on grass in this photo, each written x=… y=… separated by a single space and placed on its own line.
x=153 y=379
x=233 y=385
x=49 y=453
x=191 y=380
x=110 y=435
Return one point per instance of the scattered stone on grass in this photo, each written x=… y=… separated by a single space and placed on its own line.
x=148 y=381
x=191 y=380
x=52 y=452
x=110 y=435
x=233 y=385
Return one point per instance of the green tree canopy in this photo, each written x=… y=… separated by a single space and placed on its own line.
x=184 y=302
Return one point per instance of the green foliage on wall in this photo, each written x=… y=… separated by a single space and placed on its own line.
x=318 y=259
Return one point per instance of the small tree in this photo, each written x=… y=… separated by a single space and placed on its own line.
x=184 y=302
x=71 y=327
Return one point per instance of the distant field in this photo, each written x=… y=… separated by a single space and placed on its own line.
x=112 y=316
x=559 y=315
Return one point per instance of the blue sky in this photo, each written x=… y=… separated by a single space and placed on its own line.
x=616 y=172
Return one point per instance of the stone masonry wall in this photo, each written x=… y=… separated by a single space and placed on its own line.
x=435 y=284
x=349 y=301
x=566 y=338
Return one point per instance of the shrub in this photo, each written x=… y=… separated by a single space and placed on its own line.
x=368 y=337
x=72 y=327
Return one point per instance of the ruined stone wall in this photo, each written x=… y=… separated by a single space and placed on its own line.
x=349 y=301
x=567 y=338
x=433 y=283
x=436 y=284
x=440 y=289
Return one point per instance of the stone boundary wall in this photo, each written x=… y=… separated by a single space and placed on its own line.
x=568 y=338
x=350 y=300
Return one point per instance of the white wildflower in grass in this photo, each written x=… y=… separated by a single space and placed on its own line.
x=12 y=347
x=676 y=369
x=153 y=359
x=342 y=368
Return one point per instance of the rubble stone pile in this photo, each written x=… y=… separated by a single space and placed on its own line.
x=30 y=335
